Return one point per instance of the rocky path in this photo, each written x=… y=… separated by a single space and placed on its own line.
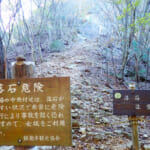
x=94 y=127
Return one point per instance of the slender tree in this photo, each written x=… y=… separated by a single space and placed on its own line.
x=2 y=53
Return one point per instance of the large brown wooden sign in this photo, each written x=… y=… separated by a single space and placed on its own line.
x=131 y=102
x=35 y=111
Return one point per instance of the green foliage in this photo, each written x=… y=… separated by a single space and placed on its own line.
x=143 y=21
x=127 y=9
x=132 y=25
x=122 y=29
x=119 y=76
x=144 y=56
x=118 y=2
x=57 y=45
x=142 y=72
x=120 y=17
x=136 y=3
x=135 y=45
x=140 y=20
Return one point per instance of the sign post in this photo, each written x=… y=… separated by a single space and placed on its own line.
x=134 y=124
x=21 y=70
x=135 y=136
x=132 y=103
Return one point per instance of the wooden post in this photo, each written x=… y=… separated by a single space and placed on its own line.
x=22 y=69
x=134 y=125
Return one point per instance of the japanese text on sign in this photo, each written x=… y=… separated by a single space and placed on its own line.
x=32 y=104
x=37 y=87
x=131 y=102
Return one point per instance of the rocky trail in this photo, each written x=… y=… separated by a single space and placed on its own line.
x=94 y=127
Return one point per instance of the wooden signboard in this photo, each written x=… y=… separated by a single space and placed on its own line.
x=35 y=111
x=131 y=102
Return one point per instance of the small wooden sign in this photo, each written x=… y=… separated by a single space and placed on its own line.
x=131 y=102
x=35 y=111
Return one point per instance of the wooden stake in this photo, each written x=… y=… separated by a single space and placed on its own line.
x=135 y=136
x=22 y=69
x=134 y=125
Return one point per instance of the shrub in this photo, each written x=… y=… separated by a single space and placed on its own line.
x=57 y=45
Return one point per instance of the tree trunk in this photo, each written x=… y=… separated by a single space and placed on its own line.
x=2 y=60
x=125 y=45
x=2 y=54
